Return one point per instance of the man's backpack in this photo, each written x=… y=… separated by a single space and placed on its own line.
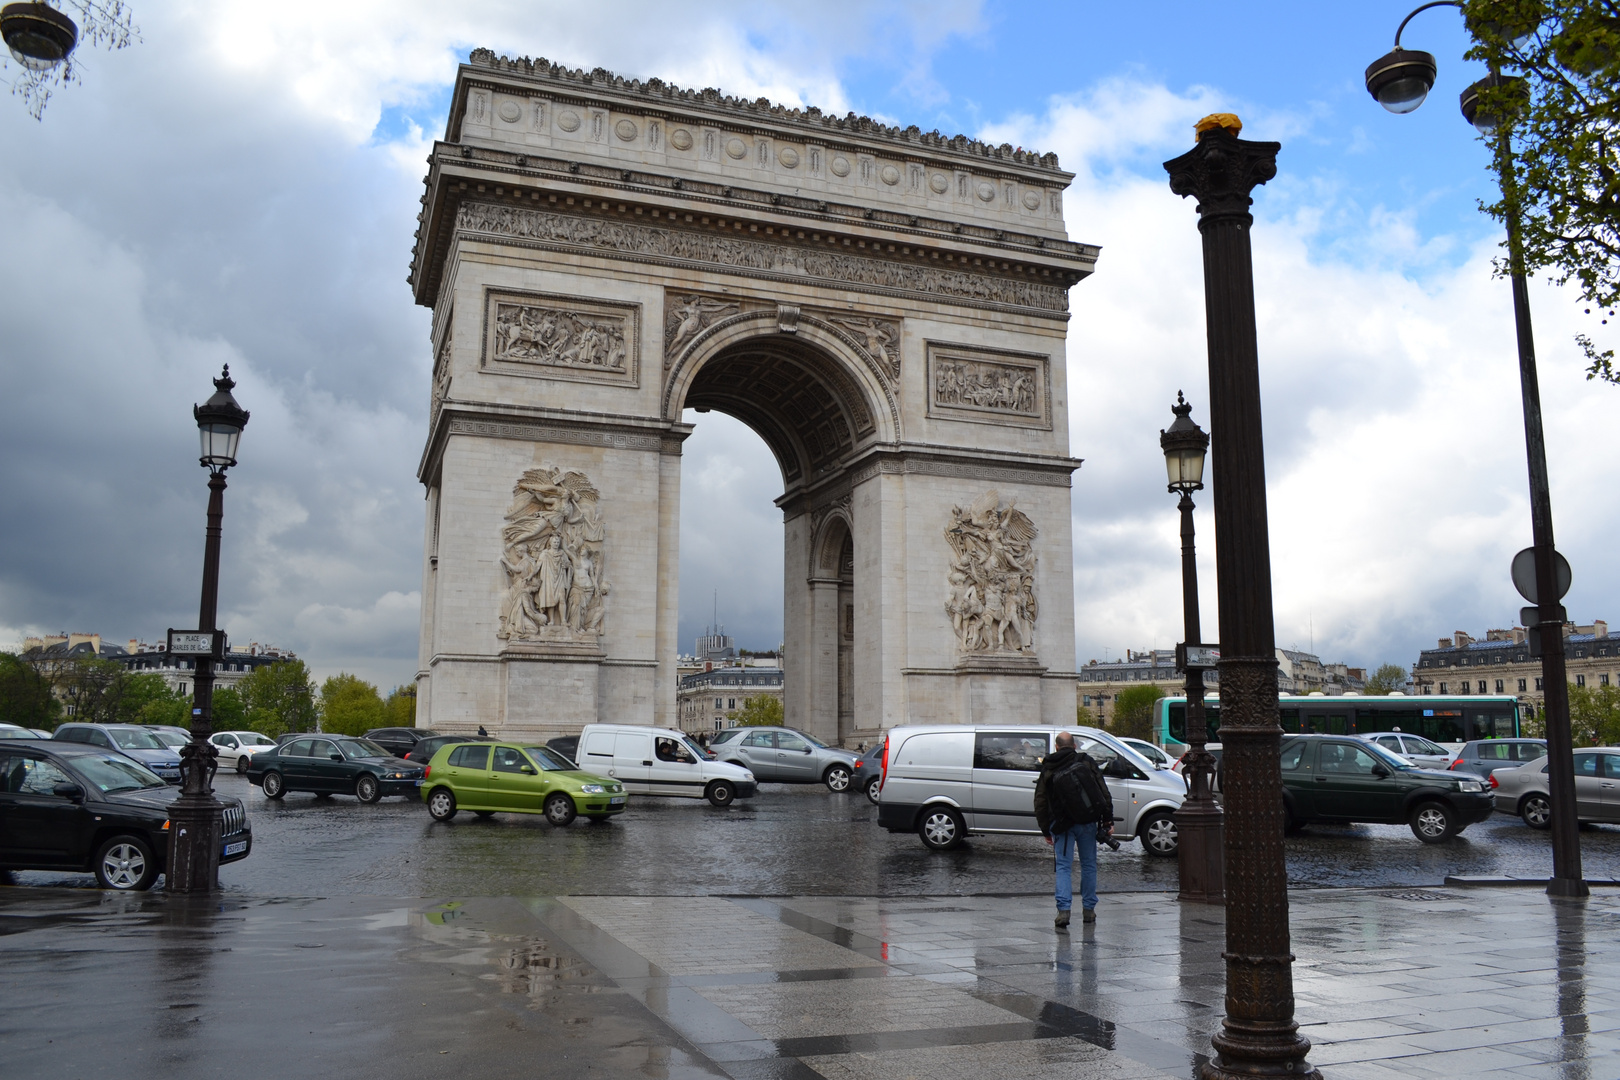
x=1080 y=792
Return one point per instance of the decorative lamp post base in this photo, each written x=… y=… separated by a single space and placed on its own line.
x=1258 y=1048
x=1200 y=834
x=196 y=831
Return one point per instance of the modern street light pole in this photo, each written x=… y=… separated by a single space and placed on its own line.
x=1258 y=1036
x=195 y=828
x=1400 y=81
x=1200 y=844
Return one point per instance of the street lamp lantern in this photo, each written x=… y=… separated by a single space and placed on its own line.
x=39 y=36
x=1401 y=80
x=219 y=423
x=1487 y=118
x=1184 y=444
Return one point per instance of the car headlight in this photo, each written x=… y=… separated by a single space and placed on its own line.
x=592 y=789
x=1470 y=785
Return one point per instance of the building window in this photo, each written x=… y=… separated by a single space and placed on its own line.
x=1481 y=687
x=1603 y=679
x=731 y=703
x=1498 y=686
x=718 y=704
x=1580 y=680
x=1442 y=688
x=1521 y=686
x=1538 y=686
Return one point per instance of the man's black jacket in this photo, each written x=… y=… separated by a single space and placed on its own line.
x=1048 y=815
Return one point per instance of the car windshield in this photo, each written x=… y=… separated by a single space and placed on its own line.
x=725 y=736
x=113 y=773
x=172 y=739
x=1387 y=757
x=360 y=749
x=698 y=753
x=16 y=733
x=815 y=742
x=548 y=759
x=253 y=738
x=135 y=739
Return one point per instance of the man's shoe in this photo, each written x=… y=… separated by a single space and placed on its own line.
x=1086 y=916
x=1062 y=919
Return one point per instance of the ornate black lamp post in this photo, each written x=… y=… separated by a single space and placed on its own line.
x=194 y=818
x=1400 y=81
x=1258 y=1035
x=1198 y=822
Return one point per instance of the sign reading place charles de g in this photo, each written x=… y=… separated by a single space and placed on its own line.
x=887 y=308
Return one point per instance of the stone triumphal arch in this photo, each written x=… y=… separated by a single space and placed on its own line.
x=885 y=307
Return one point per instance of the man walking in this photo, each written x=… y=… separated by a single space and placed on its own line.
x=1073 y=809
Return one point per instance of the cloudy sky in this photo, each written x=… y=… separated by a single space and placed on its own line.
x=241 y=188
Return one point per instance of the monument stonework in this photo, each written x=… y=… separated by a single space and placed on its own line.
x=887 y=308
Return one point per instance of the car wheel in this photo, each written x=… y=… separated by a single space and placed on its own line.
x=1433 y=822
x=274 y=786
x=126 y=863
x=241 y=765
x=366 y=788
x=560 y=810
x=483 y=813
x=720 y=793
x=941 y=828
x=1536 y=811
x=442 y=804
x=1159 y=835
x=837 y=778
x=874 y=789
x=1292 y=825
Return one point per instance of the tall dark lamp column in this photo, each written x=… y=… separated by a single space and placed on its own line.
x=195 y=817
x=1400 y=81
x=1258 y=1036
x=1200 y=844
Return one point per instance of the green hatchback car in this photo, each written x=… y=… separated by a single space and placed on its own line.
x=495 y=778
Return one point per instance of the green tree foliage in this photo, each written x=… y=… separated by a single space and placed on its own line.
x=399 y=709
x=229 y=715
x=145 y=698
x=761 y=710
x=25 y=695
x=1387 y=679
x=277 y=698
x=1133 y=711
x=350 y=705
x=1559 y=160
x=1594 y=715
x=91 y=689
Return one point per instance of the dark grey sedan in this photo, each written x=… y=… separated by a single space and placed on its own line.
x=784 y=756
x=1484 y=756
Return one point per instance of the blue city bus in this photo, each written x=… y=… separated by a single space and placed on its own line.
x=1451 y=720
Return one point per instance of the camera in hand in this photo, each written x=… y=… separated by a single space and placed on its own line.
x=1108 y=838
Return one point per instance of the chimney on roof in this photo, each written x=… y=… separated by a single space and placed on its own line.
x=1445 y=643
x=1600 y=628
x=79 y=639
x=1462 y=638
x=1520 y=635
x=132 y=644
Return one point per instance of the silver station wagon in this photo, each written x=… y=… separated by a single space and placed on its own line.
x=785 y=756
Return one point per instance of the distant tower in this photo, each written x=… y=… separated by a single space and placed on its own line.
x=715 y=644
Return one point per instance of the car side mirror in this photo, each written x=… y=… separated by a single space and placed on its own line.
x=335 y=757
x=68 y=791
x=529 y=769
x=806 y=750
x=1380 y=772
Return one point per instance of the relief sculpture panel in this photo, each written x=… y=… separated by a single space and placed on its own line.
x=986 y=386
x=558 y=337
x=992 y=577
x=552 y=555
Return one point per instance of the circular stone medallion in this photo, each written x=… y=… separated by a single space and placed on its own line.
x=736 y=149
x=889 y=175
x=987 y=191
x=788 y=156
x=568 y=121
x=680 y=139
x=626 y=130
x=1032 y=200
x=510 y=111
x=840 y=166
x=940 y=183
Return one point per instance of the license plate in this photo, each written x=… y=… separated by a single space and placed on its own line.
x=419 y=783
x=616 y=800
x=236 y=848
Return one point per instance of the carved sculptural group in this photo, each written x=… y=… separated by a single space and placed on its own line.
x=985 y=386
x=992 y=577
x=553 y=559
x=558 y=338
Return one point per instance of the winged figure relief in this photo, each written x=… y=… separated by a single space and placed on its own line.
x=689 y=316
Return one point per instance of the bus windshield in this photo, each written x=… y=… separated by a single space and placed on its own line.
x=1454 y=719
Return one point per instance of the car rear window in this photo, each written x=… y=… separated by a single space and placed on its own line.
x=470 y=757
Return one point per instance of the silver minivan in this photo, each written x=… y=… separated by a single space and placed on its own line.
x=944 y=782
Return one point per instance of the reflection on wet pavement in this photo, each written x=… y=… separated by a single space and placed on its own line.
x=789 y=841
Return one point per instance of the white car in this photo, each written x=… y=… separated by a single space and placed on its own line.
x=1154 y=754
x=236 y=748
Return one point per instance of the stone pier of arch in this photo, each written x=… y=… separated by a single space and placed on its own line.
x=886 y=308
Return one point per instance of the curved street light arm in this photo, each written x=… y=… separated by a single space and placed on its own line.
x=1436 y=3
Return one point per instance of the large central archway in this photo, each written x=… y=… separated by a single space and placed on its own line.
x=886 y=309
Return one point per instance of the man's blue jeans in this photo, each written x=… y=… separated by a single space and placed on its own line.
x=1081 y=838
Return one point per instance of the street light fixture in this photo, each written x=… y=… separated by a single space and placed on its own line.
x=195 y=828
x=1200 y=843
x=39 y=36
x=1490 y=117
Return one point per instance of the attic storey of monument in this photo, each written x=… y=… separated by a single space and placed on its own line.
x=886 y=308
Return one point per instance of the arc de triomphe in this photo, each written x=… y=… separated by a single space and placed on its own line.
x=886 y=308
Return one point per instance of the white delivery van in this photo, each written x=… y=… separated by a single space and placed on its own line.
x=946 y=781
x=660 y=761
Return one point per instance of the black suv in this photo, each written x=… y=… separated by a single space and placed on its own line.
x=68 y=806
x=398 y=740
x=1342 y=779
